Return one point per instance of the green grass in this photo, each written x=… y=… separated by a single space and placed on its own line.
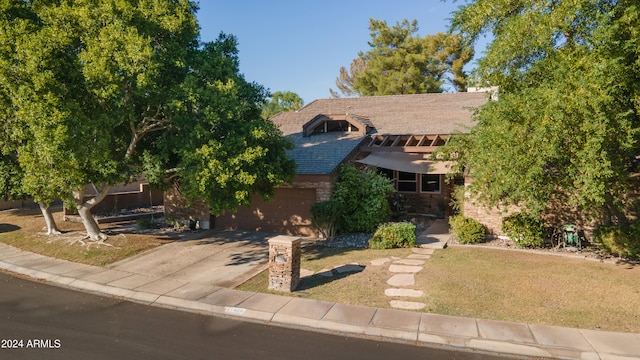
x=485 y=283
x=532 y=288
x=361 y=288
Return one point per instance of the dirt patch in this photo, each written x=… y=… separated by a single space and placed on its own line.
x=25 y=229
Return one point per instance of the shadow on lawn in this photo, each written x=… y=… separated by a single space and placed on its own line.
x=320 y=252
x=5 y=228
x=340 y=272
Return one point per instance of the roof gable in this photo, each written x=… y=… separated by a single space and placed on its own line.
x=397 y=114
x=322 y=123
x=423 y=121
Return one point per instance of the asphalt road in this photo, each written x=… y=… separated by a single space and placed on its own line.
x=38 y=321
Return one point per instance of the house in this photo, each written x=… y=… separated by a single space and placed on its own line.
x=394 y=133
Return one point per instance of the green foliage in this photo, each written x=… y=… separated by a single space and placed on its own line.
x=281 y=101
x=399 y=62
x=457 y=199
x=145 y=223
x=98 y=91
x=622 y=241
x=524 y=229
x=363 y=198
x=324 y=217
x=394 y=235
x=466 y=230
x=10 y=175
x=568 y=77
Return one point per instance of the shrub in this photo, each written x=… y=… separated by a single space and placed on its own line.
x=324 y=217
x=466 y=230
x=394 y=235
x=145 y=223
x=399 y=207
x=362 y=196
x=622 y=241
x=524 y=229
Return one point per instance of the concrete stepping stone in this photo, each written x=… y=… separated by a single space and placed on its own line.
x=402 y=280
x=404 y=268
x=305 y=272
x=407 y=305
x=403 y=292
x=379 y=262
x=348 y=268
x=409 y=262
x=422 y=251
x=418 y=256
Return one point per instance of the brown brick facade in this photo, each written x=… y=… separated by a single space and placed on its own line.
x=490 y=218
x=289 y=212
x=178 y=209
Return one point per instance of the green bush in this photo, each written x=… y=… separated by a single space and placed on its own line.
x=524 y=229
x=324 y=217
x=623 y=241
x=394 y=235
x=466 y=230
x=363 y=198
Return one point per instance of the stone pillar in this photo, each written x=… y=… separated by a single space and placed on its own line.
x=284 y=263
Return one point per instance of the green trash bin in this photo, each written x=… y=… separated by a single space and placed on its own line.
x=570 y=233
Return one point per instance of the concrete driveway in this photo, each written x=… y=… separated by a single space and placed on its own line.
x=220 y=258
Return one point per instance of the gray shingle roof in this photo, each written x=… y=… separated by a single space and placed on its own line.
x=398 y=115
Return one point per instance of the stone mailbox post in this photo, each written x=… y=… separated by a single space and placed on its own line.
x=284 y=263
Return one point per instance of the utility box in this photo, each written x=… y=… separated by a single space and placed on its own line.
x=284 y=263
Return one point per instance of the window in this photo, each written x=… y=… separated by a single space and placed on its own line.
x=407 y=182
x=386 y=172
x=335 y=125
x=430 y=183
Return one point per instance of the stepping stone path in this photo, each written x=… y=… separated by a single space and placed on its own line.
x=404 y=278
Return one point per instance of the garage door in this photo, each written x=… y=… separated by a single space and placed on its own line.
x=288 y=213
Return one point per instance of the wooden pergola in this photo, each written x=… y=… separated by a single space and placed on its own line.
x=405 y=143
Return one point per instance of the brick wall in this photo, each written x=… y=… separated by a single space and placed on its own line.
x=176 y=207
x=288 y=214
x=490 y=218
x=322 y=183
x=556 y=215
x=17 y=204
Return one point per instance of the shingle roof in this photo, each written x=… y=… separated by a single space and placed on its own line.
x=398 y=115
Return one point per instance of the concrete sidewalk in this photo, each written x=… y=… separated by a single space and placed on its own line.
x=198 y=276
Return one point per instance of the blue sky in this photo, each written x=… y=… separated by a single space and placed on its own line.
x=300 y=45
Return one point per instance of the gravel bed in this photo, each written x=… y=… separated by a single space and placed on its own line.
x=356 y=240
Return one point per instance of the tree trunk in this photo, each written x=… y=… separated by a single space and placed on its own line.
x=90 y=224
x=52 y=228
x=84 y=210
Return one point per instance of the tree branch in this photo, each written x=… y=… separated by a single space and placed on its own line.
x=148 y=124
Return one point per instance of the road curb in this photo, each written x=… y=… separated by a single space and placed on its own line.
x=422 y=329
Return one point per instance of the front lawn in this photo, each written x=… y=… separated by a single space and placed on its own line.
x=485 y=283
x=25 y=229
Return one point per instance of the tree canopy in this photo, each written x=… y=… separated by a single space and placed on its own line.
x=95 y=92
x=565 y=127
x=401 y=62
x=281 y=101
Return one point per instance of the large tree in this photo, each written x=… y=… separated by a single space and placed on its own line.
x=565 y=128
x=401 y=62
x=281 y=101
x=98 y=91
